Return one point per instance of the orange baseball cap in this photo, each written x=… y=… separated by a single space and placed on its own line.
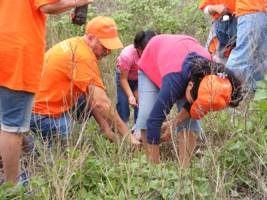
x=105 y=29
x=214 y=93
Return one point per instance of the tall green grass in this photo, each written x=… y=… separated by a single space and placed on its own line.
x=231 y=160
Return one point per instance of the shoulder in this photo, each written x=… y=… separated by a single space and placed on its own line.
x=128 y=50
x=128 y=53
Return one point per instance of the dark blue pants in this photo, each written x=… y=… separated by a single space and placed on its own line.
x=122 y=105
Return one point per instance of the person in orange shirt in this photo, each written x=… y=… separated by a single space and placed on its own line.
x=249 y=58
x=22 y=44
x=71 y=71
x=221 y=38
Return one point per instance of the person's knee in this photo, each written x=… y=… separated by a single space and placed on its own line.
x=11 y=139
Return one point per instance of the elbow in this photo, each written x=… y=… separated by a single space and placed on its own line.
x=103 y=107
x=48 y=9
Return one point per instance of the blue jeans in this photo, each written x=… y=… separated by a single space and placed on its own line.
x=248 y=60
x=15 y=110
x=225 y=30
x=148 y=93
x=49 y=126
x=122 y=105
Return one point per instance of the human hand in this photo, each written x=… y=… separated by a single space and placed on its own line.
x=135 y=144
x=132 y=101
x=115 y=138
x=166 y=130
x=134 y=141
x=221 y=9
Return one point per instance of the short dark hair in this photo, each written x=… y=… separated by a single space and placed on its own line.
x=200 y=67
x=142 y=38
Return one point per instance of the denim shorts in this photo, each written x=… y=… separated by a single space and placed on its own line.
x=248 y=60
x=225 y=31
x=15 y=110
x=148 y=93
x=49 y=126
x=122 y=104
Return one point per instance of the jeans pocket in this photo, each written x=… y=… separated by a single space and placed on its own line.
x=225 y=30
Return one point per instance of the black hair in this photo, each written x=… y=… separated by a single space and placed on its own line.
x=142 y=38
x=201 y=67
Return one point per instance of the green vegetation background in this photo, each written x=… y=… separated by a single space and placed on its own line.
x=231 y=161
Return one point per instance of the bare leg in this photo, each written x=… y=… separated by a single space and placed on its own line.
x=143 y=138
x=10 y=150
x=187 y=144
x=153 y=153
x=152 y=150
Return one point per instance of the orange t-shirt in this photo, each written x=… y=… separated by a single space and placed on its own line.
x=69 y=68
x=230 y=4
x=22 y=43
x=250 y=6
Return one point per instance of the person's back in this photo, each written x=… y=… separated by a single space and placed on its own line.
x=165 y=54
x=127 y=60
x=69 y=67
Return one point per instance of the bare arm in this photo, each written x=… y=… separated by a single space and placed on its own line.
x=126 y=88
x=104 y=126
x=220 y=9
x=62 y=6
x=100 y=104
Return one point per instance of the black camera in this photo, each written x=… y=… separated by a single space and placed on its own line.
x=79 y=15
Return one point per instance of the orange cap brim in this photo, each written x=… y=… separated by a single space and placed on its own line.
x=197 y=112
x=111 y=43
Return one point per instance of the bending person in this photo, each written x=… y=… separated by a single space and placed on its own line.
x=177 y=68
x=70 y=71
x=126 y=75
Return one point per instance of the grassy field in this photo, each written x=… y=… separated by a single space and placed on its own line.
x=229 y=164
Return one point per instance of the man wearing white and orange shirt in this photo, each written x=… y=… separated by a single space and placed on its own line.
x=248 y=59
x=22 y=45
